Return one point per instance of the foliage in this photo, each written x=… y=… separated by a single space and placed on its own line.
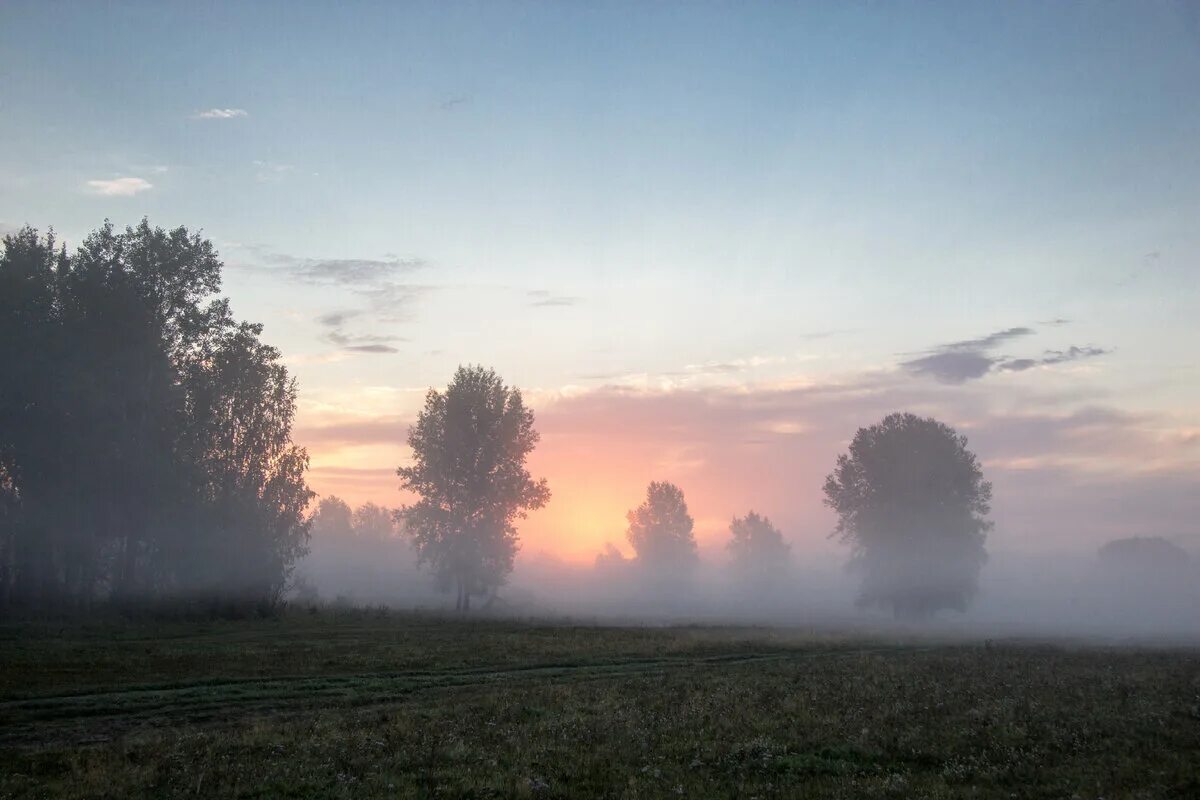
x=358 y=555
x=660 y=529
x=145 y=435
x=911 y=500
x=469 y=447
x=757 y=549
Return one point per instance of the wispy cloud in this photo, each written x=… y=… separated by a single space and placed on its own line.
x=1065 y=473
x=221 y=113
x=335 y=322
x=378 y=283
x=269 y=171
x=451 y=103
x=958 y=362
x=119 y=187
x=541 y=298
x=1051 y=357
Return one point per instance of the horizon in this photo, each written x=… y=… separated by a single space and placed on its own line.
x=707 y=246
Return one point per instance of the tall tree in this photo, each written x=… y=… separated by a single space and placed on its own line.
x=757 y=549
x=127 y=394
x=246 y=473
x=34 y=419
x=469 y=447
x=660 y=531
x=912 y=502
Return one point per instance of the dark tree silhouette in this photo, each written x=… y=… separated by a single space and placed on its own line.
x=660 y=531
x=757 y=549
x=469 y=447
x=911 y=500
x=144 y=433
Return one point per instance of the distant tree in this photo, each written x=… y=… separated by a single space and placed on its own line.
x=374 y=523
x=1145 y=557
x=610 y=559
x=469 y=447
x=757 y=549
x=332 y=519
x=357 y=556
x=912 y=502
x=660 y=531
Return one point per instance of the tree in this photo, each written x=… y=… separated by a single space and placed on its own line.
x=758 y=551
x=374 y=523
x=912 y=502
x=333 y=520
x=1144 y=558
x=660 y=530
x=145 y=435
x=469 y=447
x=244 y=471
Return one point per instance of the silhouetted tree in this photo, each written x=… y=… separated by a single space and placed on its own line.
x=469 y=447
x=757 y=549
x=144 y=433
x=248 y=475
x=912 y=502
x=660 y=531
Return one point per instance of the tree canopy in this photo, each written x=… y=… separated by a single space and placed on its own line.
x=660 y=529
x=145 y=434
x=911 y=500
x=757 y=549
x=469 y=446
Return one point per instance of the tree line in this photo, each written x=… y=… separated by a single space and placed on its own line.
x=145 y=432
x=910 y=498
x=145 y=451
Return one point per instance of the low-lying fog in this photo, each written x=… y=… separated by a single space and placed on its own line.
x=1066 y=594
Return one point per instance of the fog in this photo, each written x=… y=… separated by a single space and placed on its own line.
x=1060 y=595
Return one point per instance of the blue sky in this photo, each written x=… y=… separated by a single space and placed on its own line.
x=664 y=197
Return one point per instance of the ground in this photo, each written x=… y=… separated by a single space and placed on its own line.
x=373 y=704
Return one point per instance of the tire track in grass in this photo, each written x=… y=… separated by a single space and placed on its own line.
x=31 y=720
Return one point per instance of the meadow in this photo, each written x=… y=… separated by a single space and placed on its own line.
x=353 y=703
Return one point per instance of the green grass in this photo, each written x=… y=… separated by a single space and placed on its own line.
x=372 y=705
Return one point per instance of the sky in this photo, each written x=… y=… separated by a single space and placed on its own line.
x=708 y=240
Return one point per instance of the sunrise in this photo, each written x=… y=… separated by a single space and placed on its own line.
x=675 y=390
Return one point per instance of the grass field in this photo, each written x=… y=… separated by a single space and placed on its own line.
x=358 y=704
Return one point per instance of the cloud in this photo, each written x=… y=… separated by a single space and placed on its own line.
x=119 y=187
x=336 y=319
x=541 y=298
x=354 y=272
x=270 y=171
x=354 y=343
x=1052 y=357
x=451 y=103
x=951 y=366
x=970 y=359
x=1066 y=473
x=1073 y=354
x=221 y=113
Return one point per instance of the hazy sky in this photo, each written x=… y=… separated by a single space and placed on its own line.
x=709 y=240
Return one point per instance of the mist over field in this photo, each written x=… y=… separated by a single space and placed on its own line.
x=542 y=400
x=1058 y=595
